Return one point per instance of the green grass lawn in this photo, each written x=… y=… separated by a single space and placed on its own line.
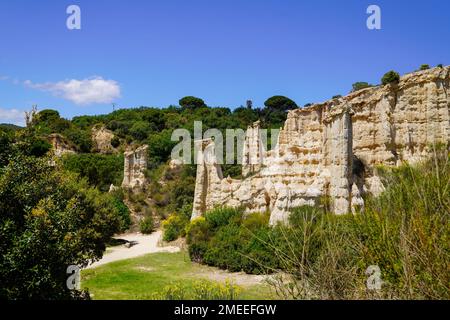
x=141 y=277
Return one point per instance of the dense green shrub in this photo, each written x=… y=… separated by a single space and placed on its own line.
x=360 y=85
x=174 y=227
x=223 y=216
x=257 y=251
x=225 y=249
x=256 y=220
x=198 y=233
x=147 y=225
x=390 y=77
x=115 y=142
x=100 y=170
x=39 y=147
x=124 y=214
x=226 y=239
x=424 y=67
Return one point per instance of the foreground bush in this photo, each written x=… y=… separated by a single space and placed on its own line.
x=405 y=232
x=174 y=227
x=227 y=239
x=200 y=290
x=48 y=221
x=147 y=225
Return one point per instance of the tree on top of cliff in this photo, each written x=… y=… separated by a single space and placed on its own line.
x=191 y=102
x=360 y=85
x=390 y=77
x=281 y=103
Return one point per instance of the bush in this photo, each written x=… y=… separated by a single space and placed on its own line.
x=222 y=216
x=100 y=170
x=404 y=232
x=147 y=225
x=174 y=227
x=39 y=147
x=424 y=67
x=390 y=77
x=124 y=214
x=256 y=220
x=226 y=240
x=225 y=248
x=257 y=251
x=200 y=290
x=198 y=233
x=115 y=142
x=360 y=85
x=440 y=65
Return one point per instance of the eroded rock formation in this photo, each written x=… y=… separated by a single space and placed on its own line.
x=135 y=164
x=60 y=145
x=101 y=138
x=332 y=149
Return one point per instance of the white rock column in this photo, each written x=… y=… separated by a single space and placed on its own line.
x=340 y=152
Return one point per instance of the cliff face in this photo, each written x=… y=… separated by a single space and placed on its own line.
x=60 y=146
x=331 y=149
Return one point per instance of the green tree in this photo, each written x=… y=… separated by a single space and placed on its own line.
x=140 y=130
x=48 y=221
x=191 y=102
x=47 y=115
x=100 y=170
x=160 y=147
x=281 y=103
x=390 y=77
x=424 y=67
x=6 y=140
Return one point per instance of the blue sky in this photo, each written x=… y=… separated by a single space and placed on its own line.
x=153 y=52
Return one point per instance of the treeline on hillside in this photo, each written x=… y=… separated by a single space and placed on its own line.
x=154 y=126
x=171 y=190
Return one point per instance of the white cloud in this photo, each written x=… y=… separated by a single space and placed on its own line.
x=81 y=92
x=12 y=116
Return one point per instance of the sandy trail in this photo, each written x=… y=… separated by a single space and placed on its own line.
x=142 y=244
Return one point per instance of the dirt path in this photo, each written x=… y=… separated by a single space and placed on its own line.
x=238 y=278
x=137 y=245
